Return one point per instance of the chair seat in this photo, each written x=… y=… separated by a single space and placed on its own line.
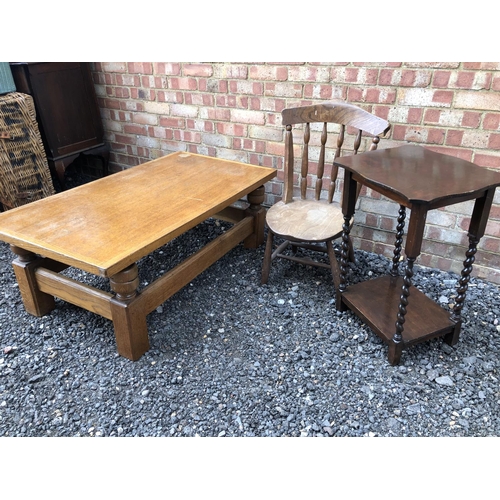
x=307 y=220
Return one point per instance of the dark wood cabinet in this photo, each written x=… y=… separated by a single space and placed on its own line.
x=67 y=111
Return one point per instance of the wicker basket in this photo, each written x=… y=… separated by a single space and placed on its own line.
x=24 y=171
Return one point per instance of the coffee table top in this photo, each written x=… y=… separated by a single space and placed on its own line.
x=104 y=226
x=414 y=174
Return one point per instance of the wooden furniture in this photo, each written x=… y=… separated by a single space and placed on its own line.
x=420 y=180
x=67 y=111
x=24 y=172
x=117 y=220
x=310 y=221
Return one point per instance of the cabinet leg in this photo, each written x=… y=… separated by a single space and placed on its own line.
x=129 y=319
x=59 y=168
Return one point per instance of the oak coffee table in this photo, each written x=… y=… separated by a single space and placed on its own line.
x=104 y=227
x=421 y=180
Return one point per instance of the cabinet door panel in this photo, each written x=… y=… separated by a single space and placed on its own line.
x=67 y=107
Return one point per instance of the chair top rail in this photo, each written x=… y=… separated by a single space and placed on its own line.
x=337 y=112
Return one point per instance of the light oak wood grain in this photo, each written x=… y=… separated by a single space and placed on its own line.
x=104 y=226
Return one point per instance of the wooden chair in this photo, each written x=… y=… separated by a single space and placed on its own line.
x=303 y=218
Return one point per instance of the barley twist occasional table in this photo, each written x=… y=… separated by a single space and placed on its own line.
x=420 y=180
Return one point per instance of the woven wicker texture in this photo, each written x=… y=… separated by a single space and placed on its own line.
x=24 y=171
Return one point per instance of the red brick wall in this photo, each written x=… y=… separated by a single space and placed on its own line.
x=232 y=110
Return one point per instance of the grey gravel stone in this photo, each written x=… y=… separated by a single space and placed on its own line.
x=488 y=367
x=470 y=360
x=446 y=348
x=445 y=380
x=413 y=409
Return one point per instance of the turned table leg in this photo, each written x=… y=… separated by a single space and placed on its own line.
x=477 y=227
x=412 y=249
x=348 y=206
x=256 y=198
x=463 y=285
x=344 y=257
x=399 y=241
x=35 y=302
x=129 y=319
x=396 y=344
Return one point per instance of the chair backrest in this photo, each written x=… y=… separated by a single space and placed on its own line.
x=339 y=112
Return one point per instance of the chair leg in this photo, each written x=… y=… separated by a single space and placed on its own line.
x=334 y=265
x=266 y=264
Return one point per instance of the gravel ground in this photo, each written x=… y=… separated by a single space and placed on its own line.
x=232 y=357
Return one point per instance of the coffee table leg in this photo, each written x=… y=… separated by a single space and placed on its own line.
x=129 y=320
x=256 y=198
x=35 y=302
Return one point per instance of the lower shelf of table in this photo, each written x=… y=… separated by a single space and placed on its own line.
x=376 y=302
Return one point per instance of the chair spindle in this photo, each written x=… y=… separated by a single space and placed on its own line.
x=321 y=162
x=288 y=194
x=335 y=169
x=374 y=143
x=357 y=141
x=305 y=161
